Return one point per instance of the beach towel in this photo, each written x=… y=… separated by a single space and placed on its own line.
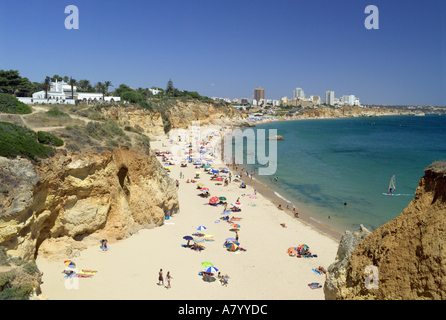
x=315 y=285
x=217 y=221
x=316 y=271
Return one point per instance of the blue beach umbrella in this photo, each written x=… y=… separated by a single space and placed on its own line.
x=211 y=269
x=201 y=228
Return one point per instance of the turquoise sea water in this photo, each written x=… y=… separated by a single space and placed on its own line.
x=325 y=162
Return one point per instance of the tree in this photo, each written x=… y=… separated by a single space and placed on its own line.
x=9 y=80
x=56 y=77
x=66 y=79
x=24 y=88
x=72 y=83
x=46 y=85
x=170 y=88
x=132 y=96
x=100 y=87
x=107 y=84
x=121 y=89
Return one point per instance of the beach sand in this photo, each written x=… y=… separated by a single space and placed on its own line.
x=129 y=270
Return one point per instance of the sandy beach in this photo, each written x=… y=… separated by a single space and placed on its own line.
x=129 y=269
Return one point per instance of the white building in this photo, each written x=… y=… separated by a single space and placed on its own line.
x=348 y=100
x=329 y=98
x=60 y=92
x=298 y=93
x=154 y=91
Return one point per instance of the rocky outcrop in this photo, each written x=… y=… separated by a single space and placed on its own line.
x=71 y=200
x=408 y=251
x=180 y=114
x=347 y=111
x=337 y=271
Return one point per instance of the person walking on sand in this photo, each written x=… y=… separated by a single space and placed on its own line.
x=168 y=277
x=160 y=277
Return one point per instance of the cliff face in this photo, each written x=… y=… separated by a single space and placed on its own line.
x=180 y=113
x=346 y=111
x=72 y=197
x=409 y=251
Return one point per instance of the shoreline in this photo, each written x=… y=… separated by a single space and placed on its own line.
x=304 y=216
x=129 y=270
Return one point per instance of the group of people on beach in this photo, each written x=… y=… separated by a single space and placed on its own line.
x=295 y=213
x=161 y=279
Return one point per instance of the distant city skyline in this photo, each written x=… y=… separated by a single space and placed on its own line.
x=228 y=48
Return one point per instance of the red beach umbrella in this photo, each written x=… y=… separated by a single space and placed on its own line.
x=213 y=200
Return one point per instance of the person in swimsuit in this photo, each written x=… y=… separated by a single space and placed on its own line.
x=160 y=277
x=168 y=277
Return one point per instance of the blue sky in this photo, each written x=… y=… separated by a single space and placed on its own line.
x=228 y=48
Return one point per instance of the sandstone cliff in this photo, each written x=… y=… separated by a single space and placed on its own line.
x=180 y=114
x=409 y=251
x=71 y=197
x=346 y=111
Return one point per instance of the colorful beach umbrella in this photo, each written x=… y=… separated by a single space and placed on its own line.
x=70 y=264
x=207 y=264
x=200 y=185
x=222 y=198
x=236 y=204
x=232 y=246
x=204 y=189
x=213 y=200
x=235 y=226
x=198 y=239
x=211 y=269
x=201 y=228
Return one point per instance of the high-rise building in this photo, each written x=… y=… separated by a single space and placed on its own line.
x=348 y=100
x=259 y=93
x=329 y=98
x=298 y=93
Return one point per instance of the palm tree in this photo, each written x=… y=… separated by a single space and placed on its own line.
x=72 y=83
x=100 y=87
x=46 y=85
x=107 y=84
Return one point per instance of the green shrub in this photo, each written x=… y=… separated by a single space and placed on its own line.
x=48 y=138
x=3 y=257
x=55 y=112
x=73 y=146
x=31 y=268
x=17 y=293
x=10 y=104
x=108 y=129
x=20 y=141
x=144 y=142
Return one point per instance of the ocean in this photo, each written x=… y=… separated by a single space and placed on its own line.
x=341 y=168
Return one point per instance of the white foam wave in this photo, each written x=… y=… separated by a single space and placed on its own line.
x=278 y=194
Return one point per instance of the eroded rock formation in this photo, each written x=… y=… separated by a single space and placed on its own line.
x=180 y=113
x=408 y=251
x=72 y=197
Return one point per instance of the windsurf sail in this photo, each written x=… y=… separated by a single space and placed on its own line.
x=392 y=185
